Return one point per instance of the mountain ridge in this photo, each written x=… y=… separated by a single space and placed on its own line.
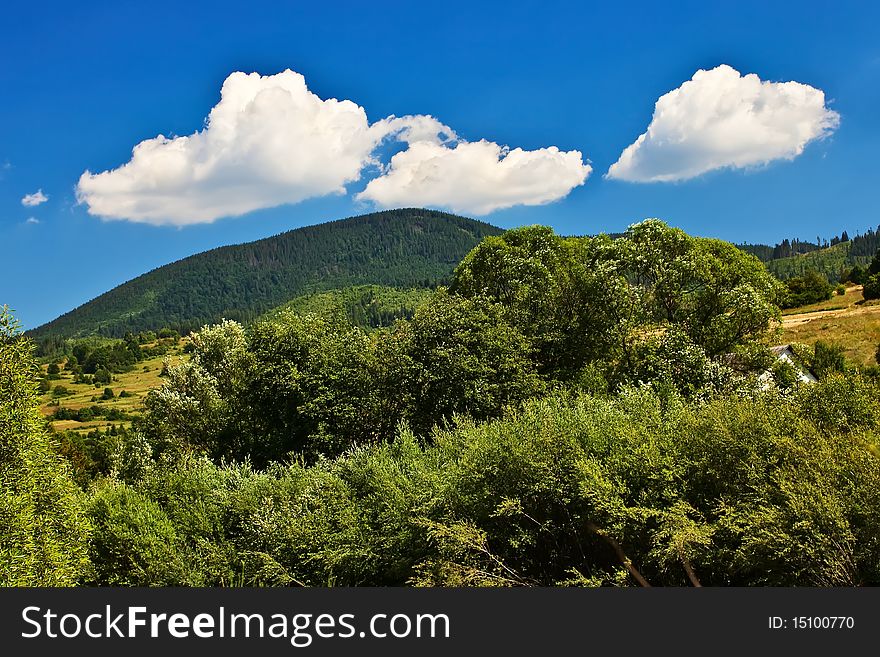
x=408 y=248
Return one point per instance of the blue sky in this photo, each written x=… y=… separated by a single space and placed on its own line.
x=84 y=83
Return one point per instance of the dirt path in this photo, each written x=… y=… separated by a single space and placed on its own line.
x=803 y=318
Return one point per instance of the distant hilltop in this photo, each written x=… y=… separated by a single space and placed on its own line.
x=406 y=248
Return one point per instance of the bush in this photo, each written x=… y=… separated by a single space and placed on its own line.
x=108 y=394
x=133 y=543
x=871 y=289
x=61 y=391
x=857 y=275
x=840 y=290
x=827 y=359
x=811 y=288
x=101 y=376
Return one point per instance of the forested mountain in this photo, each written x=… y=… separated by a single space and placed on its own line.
x=832 y=258
x=407 y=248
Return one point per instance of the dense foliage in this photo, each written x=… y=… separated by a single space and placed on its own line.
x=812 y=287
x=569 y=411
x=580 y=490
x=42 y=523
x=401 y=248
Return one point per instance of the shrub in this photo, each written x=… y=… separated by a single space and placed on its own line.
x=827 y=358
x=812 y=287
x=133 y=543
x=102 y=376
x=871 y=289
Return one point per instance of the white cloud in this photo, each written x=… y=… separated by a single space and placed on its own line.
x=32 y=200
x=721 y=119
x=476 y=177
x=267 y=142
x=271 y=141
x=32 y=220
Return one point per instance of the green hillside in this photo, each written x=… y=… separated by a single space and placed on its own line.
x=833 y=262
x=408 y=248
x=793 y=258
x=366 y=306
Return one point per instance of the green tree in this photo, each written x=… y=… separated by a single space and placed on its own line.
x=871 y=289
x=874 y=267
x=857 y=275
x=102 y=375
x=462 y=357
x=60 y=391
x=812 y=287
x=43 y=531
x=717 y=294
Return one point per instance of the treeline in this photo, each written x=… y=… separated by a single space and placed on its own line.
x=834 y=259
x=570 y=411
x=399 y=248
x=88 y=355
x=864 y=245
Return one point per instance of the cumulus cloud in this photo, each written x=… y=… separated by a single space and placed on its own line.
x=267 y=142
x=32 y=220
x=271 y=141
x=722 y=119
x=476 y=177
x=32 y=200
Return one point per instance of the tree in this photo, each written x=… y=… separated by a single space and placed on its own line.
x=874 y=267
x=102 y=376
x=717 y=294
x=587 y=300
x=61 y=391
x=108 y=394
x=53 y=371
x=461 y=356
x=553 y=290
x=43 y=531
x=871 y=288
x=857 y=275
x=812 y=287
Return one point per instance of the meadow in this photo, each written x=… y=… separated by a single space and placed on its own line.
x=846 y=320
x=142 y=378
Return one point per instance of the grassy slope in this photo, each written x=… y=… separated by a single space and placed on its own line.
x=137 y=383
x=830 y=262
x=849 y=321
